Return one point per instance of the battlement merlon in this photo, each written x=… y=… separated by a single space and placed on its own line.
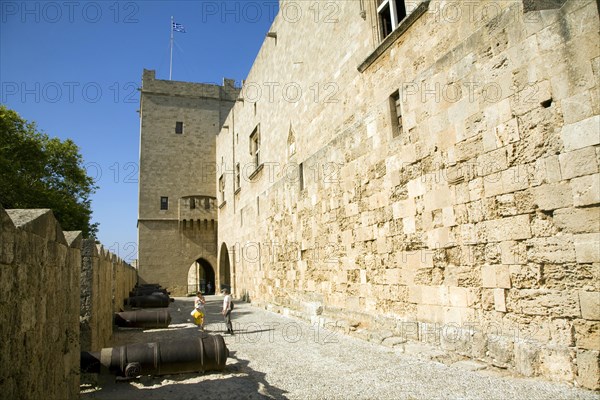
x=226 y=92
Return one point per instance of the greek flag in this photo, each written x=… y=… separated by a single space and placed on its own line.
x=178 y=27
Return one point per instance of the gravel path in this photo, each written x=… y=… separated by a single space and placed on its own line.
x=276 y=357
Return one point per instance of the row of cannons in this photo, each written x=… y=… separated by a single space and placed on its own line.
x=148 y=309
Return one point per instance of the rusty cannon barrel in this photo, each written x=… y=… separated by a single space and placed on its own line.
x=147 y=291
x=143 y=319
x=158 y=300
x=199 y=354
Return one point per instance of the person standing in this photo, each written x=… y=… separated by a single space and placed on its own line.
x=199 y=303
x=227 y=310
x=208 y=288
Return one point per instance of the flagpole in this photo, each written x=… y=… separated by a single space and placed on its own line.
x=171 y=58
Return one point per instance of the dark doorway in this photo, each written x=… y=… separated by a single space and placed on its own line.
x=224 y=268
x=201 y=277
x=207 y=277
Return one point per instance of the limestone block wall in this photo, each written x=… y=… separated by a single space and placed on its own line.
x=178 y=166
x=105 y=283
x=171 y=248
x=39 y=307
x=474 y=227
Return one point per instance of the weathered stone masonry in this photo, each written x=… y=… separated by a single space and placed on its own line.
x=474 y=227
x=41 y=275
x=105 y=284
x=181 y=168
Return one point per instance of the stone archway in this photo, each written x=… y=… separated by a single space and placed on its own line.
x=224 y=267
x=201 y=277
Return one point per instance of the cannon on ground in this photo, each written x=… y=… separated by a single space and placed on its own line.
x=157 y=300
x=199 y=354
x=147 y=291
x=143 y=319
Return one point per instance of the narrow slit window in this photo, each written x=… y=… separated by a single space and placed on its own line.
x=179 y=127
x=301 y=175
x=222 y=188
x=396 y=114
x=255 y=146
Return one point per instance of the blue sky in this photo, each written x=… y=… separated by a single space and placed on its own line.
x=74 y=69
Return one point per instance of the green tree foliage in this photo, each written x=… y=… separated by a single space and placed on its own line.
x=37 y=171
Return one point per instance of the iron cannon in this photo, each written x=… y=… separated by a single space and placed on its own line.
x=202 y=353
x=143 y=319
x=156 y=300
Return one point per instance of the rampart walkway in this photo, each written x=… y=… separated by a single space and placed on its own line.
x=275 y=357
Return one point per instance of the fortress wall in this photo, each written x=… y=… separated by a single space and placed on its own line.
x=474 y=228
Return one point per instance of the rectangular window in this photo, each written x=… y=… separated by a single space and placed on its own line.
x=206 y=203
x=192 y=204
x=301 y=175
x=255 y=146
x=237 y=176
x=179 y=127
x=164 y=203
x=390 y=14
x=222 y=188
x=396 y=114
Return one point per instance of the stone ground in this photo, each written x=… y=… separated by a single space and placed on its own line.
x=274 y=357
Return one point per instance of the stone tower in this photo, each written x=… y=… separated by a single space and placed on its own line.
x=177 y=218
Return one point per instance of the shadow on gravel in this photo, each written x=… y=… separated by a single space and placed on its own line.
x=237 y=381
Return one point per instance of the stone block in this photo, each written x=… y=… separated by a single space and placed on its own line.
x=588 y=369
x=488 y=276
x=578 y=163
x=500 y=350
x=557 y=363
x=500 y=300
x=587 y=247
x=552 y=196
x=430 y=313
x=586 y=190
x=434 y=295
x=416 y=187
x=590 y=305
x=559 y=249
x=577 y=108
x=581 y=134
x=513 y=252
x=546 y=302
x=577 y=220
x=513 y=179
x=476 y=189
x=495 y=276
x=492 y=161
x=409 y=225
x=506 y=133
x=404 y=208
x=448 y=218
x=587 y=334
x=460 y=297
x=526 y=358
x=510 y=228
x=393 y=276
